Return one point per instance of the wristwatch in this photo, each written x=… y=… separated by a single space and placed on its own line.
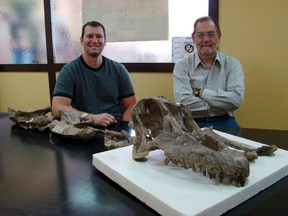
x=83 y=116
x=197 y=92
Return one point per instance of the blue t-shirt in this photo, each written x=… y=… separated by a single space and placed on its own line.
x=95 y=90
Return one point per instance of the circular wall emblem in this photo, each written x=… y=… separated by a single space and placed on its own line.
x=189 y=48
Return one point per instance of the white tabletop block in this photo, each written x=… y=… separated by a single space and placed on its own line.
x=171 y=190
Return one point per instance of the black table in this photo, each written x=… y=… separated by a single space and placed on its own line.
x=44 y=174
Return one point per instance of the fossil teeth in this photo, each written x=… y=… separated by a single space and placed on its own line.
x=221 y=176
x=174 y=161
x=197 y=169
x=187 y=164
x=204 y=172
x=210 y=175
x=193 y=167
x=178 y=162
x=167 y=160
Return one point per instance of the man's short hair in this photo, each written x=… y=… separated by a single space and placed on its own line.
x=205 y=19
x=93 y=24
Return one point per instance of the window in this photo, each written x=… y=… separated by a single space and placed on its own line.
x=68 y=17
x=22 y=32
x=42 y=36
x=24 y=39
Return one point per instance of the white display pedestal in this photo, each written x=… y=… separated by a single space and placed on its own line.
x=171 y=190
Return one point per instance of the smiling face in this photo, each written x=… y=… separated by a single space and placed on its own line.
x=93 y=40
x=206 y=39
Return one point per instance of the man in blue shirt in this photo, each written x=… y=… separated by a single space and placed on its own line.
x=93 y=86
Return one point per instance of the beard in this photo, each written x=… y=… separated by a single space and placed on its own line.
x=94 y=54
x=208 y=52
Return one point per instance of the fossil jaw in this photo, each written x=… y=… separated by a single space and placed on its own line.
x=158 y=124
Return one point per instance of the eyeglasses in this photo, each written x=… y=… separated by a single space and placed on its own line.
x=201 y=36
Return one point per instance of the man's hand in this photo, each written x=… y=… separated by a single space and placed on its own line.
x=103 y=119
x=198 y=91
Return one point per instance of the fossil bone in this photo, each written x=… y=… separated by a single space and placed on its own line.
x=159 y=124
x=71 y=126
x=114 y=139
x=30 y=119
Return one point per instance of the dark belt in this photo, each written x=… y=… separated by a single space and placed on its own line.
x=213 y=118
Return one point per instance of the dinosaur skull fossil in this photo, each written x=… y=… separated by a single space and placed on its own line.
x=159 y=124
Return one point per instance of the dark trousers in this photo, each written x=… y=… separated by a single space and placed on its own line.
x=225 y=123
